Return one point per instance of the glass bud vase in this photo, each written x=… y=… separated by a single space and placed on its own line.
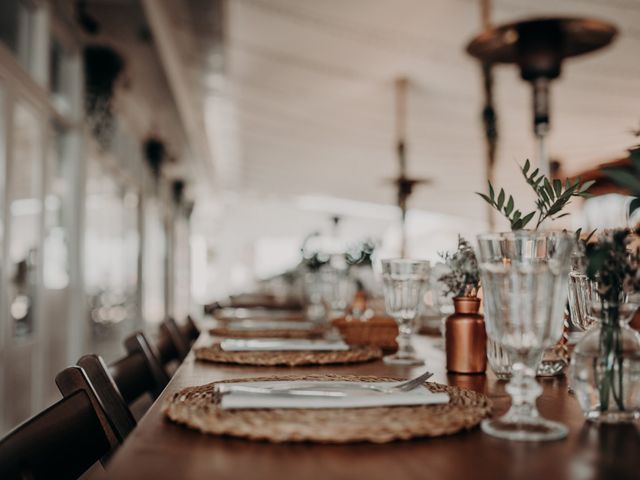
x=605 y=369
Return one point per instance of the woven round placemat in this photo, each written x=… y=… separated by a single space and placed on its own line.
x=273 y=333
x=199 y=408
x=355 y=354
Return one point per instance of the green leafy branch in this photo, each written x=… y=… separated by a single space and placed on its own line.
x=517 y=221
x=552 y=197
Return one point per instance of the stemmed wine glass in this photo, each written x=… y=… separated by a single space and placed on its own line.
x=585 y=303
x=524 y=277
x=405 y=283
x=338 y=290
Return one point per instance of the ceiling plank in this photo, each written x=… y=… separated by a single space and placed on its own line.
x=188 y=105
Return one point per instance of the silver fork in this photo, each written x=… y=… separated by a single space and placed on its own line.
x=407 y=386
x=322 y=390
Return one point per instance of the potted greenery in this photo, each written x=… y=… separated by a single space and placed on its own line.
x=465 y=334
x=463 y=278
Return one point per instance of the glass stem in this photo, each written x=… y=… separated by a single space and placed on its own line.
x=524 y=390
x=405 y=349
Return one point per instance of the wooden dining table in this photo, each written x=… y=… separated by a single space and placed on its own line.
x=159 y=449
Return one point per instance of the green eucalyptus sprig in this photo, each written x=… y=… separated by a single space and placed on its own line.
x=552 y=197
x=517 y=221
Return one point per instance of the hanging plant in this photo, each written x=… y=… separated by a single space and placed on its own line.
x=102 y=68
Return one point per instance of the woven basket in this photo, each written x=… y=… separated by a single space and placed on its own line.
x=380 y=331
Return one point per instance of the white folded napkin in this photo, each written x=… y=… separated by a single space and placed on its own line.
x=282 y=345
x=354 y=399
x=257 y=314
x=251 y=325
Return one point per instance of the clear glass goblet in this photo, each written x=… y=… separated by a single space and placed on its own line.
x=316 y=310
x=585 y=304
x=338 y=290
x=524 y=277
x=583 y=294
x=405 y=283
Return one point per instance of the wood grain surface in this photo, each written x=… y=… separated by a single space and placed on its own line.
x=160 y=449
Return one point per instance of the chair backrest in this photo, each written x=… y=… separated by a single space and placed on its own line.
x=191 y=329
x=105 y=387
x=124 y=381
x=64 y=440
x=140 y=371
x=173 y=343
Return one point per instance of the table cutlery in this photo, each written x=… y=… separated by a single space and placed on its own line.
x=326 y=389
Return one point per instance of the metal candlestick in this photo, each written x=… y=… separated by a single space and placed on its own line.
x=404 y=184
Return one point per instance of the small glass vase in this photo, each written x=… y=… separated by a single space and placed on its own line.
x=605 y=368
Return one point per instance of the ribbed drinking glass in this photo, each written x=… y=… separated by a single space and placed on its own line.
x=405 y=283
x=524 y=277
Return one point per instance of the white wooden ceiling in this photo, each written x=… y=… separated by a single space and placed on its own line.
x=306 y=106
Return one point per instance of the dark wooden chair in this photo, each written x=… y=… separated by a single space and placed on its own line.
x=191 y=329
x=109 y=394
x=210 y=308
x=140 y=371
x=120 y=385
x=175 y=341
x=64 y=440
